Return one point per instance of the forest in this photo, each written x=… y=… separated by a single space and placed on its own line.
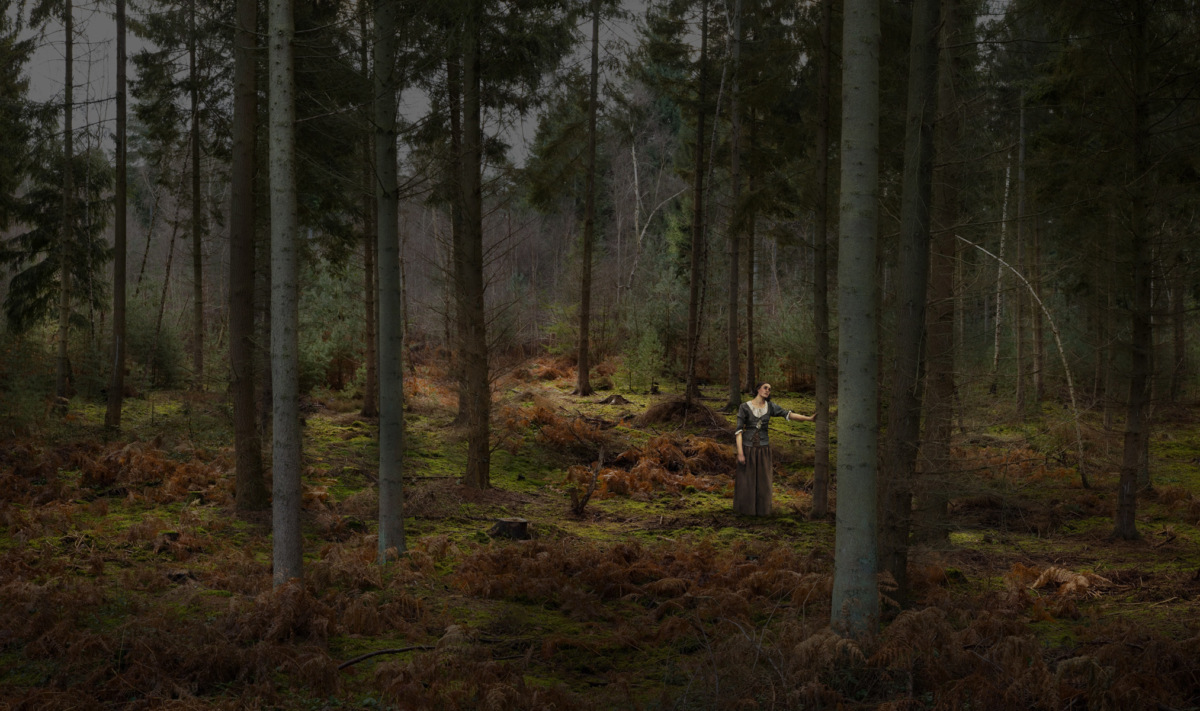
x=599 y=354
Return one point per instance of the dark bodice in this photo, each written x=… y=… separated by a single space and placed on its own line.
x=754 y=427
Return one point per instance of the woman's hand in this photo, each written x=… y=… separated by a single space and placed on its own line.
x=741 y=457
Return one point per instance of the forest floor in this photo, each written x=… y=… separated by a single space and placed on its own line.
x=127 y=580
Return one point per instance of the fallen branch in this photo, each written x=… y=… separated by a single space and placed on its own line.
x=376 y=653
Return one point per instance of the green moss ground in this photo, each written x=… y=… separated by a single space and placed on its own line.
x=341 y=452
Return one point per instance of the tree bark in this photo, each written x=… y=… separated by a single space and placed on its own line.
x=821 y=270
x=1000 y=275
x=458 y=234
x=116 y=381
x=1179 y=331
x=370 y=406
x=734 y=236
x=751 y=219
x=855 y=589
x=1125 y=525
x=691 y=389
x=933 y=485
x=66 y=233
x=285 y=294
x=583 y=386
x=197 y=211
x=391 y=325
x=251 y=489
x=904 y=410
x=478 y=386
x=1019 y=296
x=1039 y=340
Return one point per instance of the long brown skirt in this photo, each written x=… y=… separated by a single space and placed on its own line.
x=752 y=483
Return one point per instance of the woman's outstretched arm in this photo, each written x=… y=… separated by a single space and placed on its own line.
x=801 y=418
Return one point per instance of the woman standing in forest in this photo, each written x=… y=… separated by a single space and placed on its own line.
x=752 y=484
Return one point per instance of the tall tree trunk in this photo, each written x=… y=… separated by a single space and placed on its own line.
x=458 y=234
x=391 y=325
x=251 y=488
x=691 y=389
x=1039 y=340
x=197 y=211
x=751 y=219
x=475 y=355
x=734 y=236
x=855 y=589
x=583 y=386
x=1178 y=331
x=116 y=381
x=1110 y=388
x=933 y=486
x=1000 y=275
x=1019 y=296
x=285 y=295
x=821 y=270
x=904 y=411
x=370 y=406
x=1126 y=522
x=67 y=232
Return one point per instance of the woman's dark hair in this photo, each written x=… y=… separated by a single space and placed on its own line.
x=759 y=387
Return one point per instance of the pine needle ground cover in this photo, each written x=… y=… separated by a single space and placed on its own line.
x=127 y=581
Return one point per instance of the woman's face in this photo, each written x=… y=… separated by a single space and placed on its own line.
x=764 y=391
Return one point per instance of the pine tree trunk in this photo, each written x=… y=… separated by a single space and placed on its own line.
x=904 y=411
x=1125 y=525
x=1019 y=296
x=285 y=295
x=855 y=589
x=583 y=386
x=1039 y=339
x=933 y=485
x=251 y=488
x=391 y=326
x=1179 y=333
x=475 y=353
x=751 y=219
x=116 y=382
x=66 y=233
x=691 y=389
x=197 y=211
x=458 y=234
x=820 y=507
x=999 y=320
x=370 y=406
x=734 y=236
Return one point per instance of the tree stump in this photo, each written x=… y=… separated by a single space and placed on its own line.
x=514 y=528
